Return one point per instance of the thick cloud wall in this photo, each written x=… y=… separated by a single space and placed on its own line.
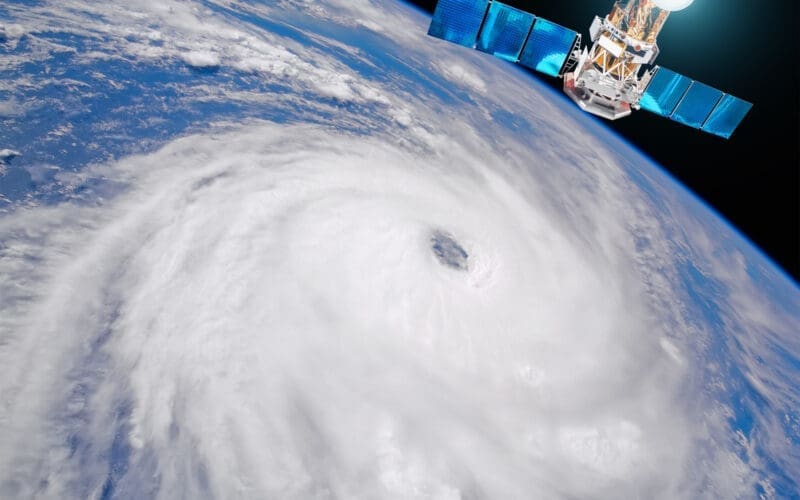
x=409 y=291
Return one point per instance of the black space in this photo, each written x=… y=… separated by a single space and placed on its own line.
x=749 y=49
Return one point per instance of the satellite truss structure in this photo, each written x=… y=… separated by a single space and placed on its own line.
x=609 y=79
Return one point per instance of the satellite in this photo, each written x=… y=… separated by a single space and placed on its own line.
x=609 y=79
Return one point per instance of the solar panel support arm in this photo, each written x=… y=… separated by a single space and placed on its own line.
x=577 y=56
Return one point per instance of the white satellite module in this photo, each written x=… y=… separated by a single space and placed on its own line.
x=609 y=79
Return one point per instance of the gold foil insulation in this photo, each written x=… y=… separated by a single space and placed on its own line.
x=620 y=68
x=640 y=19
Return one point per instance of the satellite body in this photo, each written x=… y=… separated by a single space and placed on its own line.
x=611 y=78
x=606 y=81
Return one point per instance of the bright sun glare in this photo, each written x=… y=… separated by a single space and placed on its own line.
x=672 y=5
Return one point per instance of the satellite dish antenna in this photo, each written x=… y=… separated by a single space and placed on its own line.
x=673 y=5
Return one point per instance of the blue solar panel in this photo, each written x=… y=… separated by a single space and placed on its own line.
x=548 y=47
x=728 y=114
x=504 y=31
x=696 y=105
x=458 y=21
x=664 y=92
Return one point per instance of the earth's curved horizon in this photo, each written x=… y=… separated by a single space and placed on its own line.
x=299 y=249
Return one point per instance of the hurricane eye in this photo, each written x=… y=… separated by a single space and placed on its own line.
x=448 y=252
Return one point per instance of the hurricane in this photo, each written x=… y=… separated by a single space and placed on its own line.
x=341 y=289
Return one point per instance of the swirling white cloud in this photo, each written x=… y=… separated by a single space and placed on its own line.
x=267 y=305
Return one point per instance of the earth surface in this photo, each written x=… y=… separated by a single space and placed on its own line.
x=299 y=249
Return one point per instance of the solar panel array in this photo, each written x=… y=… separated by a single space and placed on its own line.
x=548 y=47
x=693 y=103
x=505 y=32
x=727 y=115
x=458 y=21
x=664 y=92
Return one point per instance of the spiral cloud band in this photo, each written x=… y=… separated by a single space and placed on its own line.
x=263 y=316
